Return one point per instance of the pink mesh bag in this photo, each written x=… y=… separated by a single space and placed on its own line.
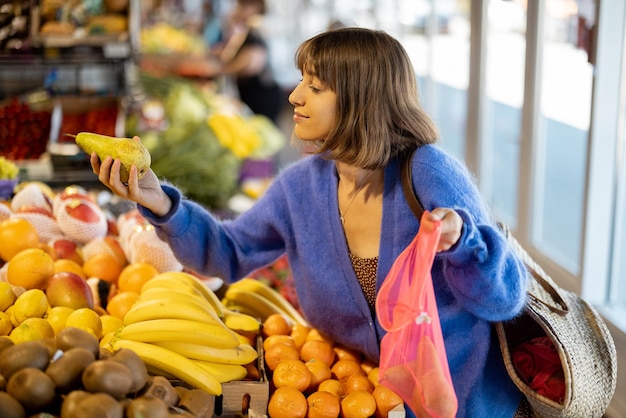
x=413 y=360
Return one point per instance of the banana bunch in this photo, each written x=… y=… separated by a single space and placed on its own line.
x=177 y=326
x=255 y=298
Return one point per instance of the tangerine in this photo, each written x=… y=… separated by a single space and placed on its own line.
x=30 y=269
x=104 y=266
x=386 y=399
x=359 y=404
x=342 y=369
x=278 y=352
x=276 y=324
x=345 y=353
x=323 y=405
x=121 y=303
x=16 y=235
x=318 y=349
x=316 y=334
x=299 y=333
x=134 y=276
x=357 y=382
x=292 y=373
x=333 y=386
x=287 y=402
x=320 y=371
x=273 y=339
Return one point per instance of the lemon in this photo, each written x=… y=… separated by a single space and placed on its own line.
x=106 y=342
x=86 y=319
x=7 y=296
x=110 y=323
x=9 y=312
x=57 y=316
x=32 y=329
x=5 y=324
x=33 y=303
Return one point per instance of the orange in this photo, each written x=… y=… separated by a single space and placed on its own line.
x=356 y=382
x=292 y=373
x=368 y=366
x=333 y=386
x=16 y=234
x=386 y=399
x=287 y=402
x=134 y=276
x=278 y=352
x=316 y=334
x=30 y=269
x=342 y=369
x=120 y=303
x=104 y=266
x=273 y=339
x=323 y=405
x=320 y=371
x=276 y=324
x=345 y=353
x=318 y=349
x=65 y=264
x=359 y=404
x=299 y=333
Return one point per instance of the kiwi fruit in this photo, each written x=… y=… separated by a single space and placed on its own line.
x=97 y=405
x=27 y=354
x=71 y=337
x=135 y=364
x=71 y=401
x=162 y=388
x=10 y=407
x=145 y=406
x=5 y=342
x=111 y=377
x=32 y=388
x=67 y=370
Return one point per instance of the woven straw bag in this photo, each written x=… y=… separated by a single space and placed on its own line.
x=581 y=338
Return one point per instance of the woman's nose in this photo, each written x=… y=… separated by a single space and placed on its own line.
x=294 y=97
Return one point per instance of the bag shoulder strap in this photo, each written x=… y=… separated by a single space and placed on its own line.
x=557 y=303
x=407 y=186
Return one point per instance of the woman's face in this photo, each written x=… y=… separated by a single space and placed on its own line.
x=314 y=108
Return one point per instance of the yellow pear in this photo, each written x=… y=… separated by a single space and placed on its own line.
x=129 y=151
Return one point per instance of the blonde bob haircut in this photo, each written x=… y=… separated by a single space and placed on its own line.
x=379 y=116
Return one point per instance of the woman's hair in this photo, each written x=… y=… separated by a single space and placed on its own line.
x=378 y=111
x=259 y=3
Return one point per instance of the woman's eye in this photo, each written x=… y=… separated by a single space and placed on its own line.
x=314 y=89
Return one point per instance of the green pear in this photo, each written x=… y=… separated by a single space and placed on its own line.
x=129 y=151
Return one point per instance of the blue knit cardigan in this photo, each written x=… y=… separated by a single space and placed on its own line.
x=478 y=281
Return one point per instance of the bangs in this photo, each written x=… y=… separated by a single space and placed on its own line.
x=316 y=57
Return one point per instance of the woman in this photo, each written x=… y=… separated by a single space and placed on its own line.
x=341 y=217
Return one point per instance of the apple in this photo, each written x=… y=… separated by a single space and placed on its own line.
x=81 y=210
x=65 y=248
x=69 y=289
x=42 y=219
x=35 y=209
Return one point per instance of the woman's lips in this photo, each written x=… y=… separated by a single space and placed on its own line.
x=298 y=117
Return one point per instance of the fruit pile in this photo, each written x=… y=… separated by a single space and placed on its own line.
x=312 y=376
x=71 y=376
x=24 y=131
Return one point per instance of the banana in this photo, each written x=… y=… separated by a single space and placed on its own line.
x=242 y=354
x=163 y=293
x=214 y=335
x=254 y=301
x=231 y=305
x=163 y=281
x=271 y=294
x=223 y=372
x=166 y=362
x=172 y=307
x=194 y=281
x=238 y=321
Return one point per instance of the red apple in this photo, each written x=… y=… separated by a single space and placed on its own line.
x=35 y=209
x=83 y=211
x=69 y=289
x=65 y=248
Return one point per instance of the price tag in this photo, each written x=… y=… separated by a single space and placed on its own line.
x=116 y=50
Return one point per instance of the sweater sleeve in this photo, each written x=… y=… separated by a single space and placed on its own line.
x=481 y=270
x=222 y=248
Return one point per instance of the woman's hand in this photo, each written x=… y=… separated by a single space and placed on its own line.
x=451 y=226
x=147 y=192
